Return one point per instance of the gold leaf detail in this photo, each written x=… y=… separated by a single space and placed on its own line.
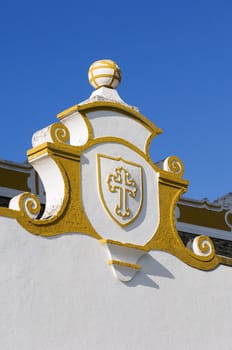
x=174 y=165
x=203 y=246
x=59 y=133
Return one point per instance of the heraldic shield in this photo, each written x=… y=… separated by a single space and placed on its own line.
x=120 y=193
x=120 y=188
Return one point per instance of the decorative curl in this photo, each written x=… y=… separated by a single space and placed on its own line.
x=56 y=133
x=27 y=203
x=59 y=133
x=203 y=246
x=174 y=165
x=228 y=218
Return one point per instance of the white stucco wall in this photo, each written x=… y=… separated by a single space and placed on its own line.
x=59 y=294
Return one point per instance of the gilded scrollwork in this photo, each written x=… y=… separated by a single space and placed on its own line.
x=203 y=246
x=27 y=204
x=174 y=165
x=59 y=133
x=55 y=133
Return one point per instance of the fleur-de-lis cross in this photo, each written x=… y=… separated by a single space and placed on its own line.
x=123 y=183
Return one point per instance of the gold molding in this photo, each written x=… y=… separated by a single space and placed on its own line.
x=18 y=180
x=72 y=218
x=118 y=243
x=14 y=214
x=115 y=106
x=204 y=217
x=124 y=264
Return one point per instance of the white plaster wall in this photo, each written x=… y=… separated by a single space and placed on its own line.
x=59 y=294
x=114 y=124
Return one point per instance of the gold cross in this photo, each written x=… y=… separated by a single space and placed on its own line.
x=123 y=183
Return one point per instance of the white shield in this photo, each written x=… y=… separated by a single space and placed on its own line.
x=120 y=186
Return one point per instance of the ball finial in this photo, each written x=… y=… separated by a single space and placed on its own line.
x=104 y=73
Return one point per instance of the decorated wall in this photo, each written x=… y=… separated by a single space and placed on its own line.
x=98 y=262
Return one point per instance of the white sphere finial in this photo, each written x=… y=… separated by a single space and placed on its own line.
x=104 y=73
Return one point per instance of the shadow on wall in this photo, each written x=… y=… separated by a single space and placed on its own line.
x=150 y=267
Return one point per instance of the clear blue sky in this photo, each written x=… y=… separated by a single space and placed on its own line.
x=175 y=58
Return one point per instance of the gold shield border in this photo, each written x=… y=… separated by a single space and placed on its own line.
x=100 y=187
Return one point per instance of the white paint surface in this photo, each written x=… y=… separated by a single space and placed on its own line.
x=106 y=94
x=77 y=127
x=114 y=124
x=53 y=182
x=58 y=294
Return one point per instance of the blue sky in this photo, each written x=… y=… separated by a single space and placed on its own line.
x=175 y=58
